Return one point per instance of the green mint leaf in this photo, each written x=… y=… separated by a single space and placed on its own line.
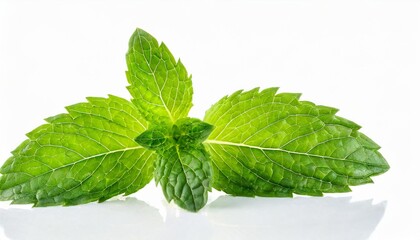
x=191 y=131
x=152 y=139
x=183 y=167
x=160 y=86
x=269 y=144
x=184 y=172
x=86 y=155
x=186 y=131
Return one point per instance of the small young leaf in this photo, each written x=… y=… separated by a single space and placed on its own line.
x=160 y=86
x=269 y=144
x=183 y=167
x=152 y=139
x=86 y=155
x=191 y=131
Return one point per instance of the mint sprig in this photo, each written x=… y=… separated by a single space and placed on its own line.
x=255 y=143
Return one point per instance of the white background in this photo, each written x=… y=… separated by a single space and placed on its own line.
x=360 y=56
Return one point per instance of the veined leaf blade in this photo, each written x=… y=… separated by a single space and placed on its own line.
x=88 y=154
x=270 y=144
x=184 y=172
x=160 y=86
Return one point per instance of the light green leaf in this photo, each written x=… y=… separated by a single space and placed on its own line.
x=160 y=86
x=86 y=155
x=269 y=144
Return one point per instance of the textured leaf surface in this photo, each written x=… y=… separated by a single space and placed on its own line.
x=183 y=167
x=86 y=155
x=184 y=174
x=160 y=86
x=269 y=144
x=191 y=131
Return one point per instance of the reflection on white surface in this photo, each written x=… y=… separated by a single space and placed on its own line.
x=127 y=219
x=225 y=218
x=298 y=218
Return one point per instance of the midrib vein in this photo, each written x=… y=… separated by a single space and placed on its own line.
x=272 y=149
